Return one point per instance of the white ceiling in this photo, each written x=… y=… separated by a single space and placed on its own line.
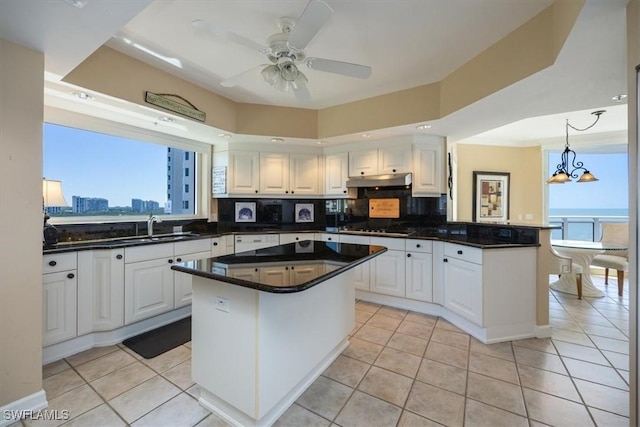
x=407 y=44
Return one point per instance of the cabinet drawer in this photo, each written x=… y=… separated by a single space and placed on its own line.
x=389 y=243
x=464 y=253
x=326 y=237
x=357 y=240
x=415 y=245
x=192 y=246
x=148 y=252
x=54 y=263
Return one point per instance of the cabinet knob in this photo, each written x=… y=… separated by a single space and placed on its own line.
x=256 y=191
x=329 y=238
x=408 y=255
x=256 y=270
x=394 y=170
x=286 y=268
x=344 y=191
x=291 y=191
x=297 y=238
x=119 y=256
x=459 y=252
x=417 y=245
x=179 y=260
x=445 y=260
x=71 y=275
x=286 y=192
x=292 y=267
x=362 y=173
x=52 y=263
x=170 y=261
x=215 y=243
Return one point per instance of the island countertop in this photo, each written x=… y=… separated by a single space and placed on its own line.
x=320 y=260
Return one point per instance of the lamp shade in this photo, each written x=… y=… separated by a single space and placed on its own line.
x=52 y=193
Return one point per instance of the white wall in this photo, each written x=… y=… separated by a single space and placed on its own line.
x=21 y=105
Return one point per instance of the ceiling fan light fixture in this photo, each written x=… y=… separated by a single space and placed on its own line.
x=271 y=74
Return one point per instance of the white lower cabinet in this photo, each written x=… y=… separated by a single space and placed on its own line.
x=361 y=273
x=59 y=297
x=59 y=291
x=388 y=273
x=299 y=274
x=100 y=290
x=463 y=290
x=275 y=275
x=148 y=289
x=419 y=276
x=182 y=282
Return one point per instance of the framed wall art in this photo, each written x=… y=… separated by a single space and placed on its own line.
x=304 y=212
x=245 y=212
x=491 y=196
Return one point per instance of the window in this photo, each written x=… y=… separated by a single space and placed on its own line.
x=186 y=188
x=580 y=206
x=107 y=175
x=186 y=155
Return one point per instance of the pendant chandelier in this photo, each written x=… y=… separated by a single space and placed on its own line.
x=568 y=159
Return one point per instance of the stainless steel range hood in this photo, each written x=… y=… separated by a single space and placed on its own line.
x=379 y=180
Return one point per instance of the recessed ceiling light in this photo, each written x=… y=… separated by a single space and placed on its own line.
x=619 y=98
x=277 y=140
x=166 y=119
x=77 y=3
x=321 y=142
x=366 y=135
x=224 y=135
x=423 y=126
x=83 y=95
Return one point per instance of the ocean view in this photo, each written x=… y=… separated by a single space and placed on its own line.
x=592 y=212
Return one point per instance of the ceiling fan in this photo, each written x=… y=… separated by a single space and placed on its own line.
x=285 y=51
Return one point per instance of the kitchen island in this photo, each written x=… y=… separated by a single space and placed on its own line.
x=267 y=323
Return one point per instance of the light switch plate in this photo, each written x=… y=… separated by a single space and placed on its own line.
x=222 y=304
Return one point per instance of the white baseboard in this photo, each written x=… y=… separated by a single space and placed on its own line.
x=100 y=339
x=14 y=411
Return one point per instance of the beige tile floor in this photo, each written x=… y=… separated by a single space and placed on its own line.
x=401 y=369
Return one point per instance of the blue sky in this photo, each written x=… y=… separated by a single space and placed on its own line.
x=611 y=191
x=117 y=169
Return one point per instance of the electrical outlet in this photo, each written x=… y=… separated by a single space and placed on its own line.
x=528 y=217
x=177 y=229
x=222 y=304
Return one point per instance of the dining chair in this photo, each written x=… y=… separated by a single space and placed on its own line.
x=560 y=264
x=614 y=232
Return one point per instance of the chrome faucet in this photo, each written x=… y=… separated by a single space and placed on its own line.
x=152 y=218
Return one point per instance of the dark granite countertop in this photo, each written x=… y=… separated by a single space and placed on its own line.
x=330 y=259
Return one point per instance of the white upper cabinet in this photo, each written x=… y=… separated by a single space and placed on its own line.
x=428 y=171
x=336 y=174
x=243 y=173
x=274 y=173
x=304 y=174
x=394 y=160
x=363 y=162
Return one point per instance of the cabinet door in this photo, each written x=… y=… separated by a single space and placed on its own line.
x=182 y=282
x=387 y=273
x=274 y=173
x=299 y=274
x=148 y=289
x=463 y=289
x=427 y=169
x=218 y=246
x=100 y=290
x=59 y=291
x=394 y=160
x=243 y=173
x=363 y=162
x=336 y=174
x=419 y=277
x=275 y=275
x=250 y=274
x=304 y=174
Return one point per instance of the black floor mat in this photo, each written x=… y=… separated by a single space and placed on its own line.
x=152 y=343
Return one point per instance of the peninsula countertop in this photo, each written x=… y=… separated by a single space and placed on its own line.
x=322 y=261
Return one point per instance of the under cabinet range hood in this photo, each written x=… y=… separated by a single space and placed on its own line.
x=379 y=180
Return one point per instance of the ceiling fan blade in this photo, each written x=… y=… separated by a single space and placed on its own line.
x=339 y=67
x=312 y=19
x=235 y=80
x=301 y=91
x=204 y=27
